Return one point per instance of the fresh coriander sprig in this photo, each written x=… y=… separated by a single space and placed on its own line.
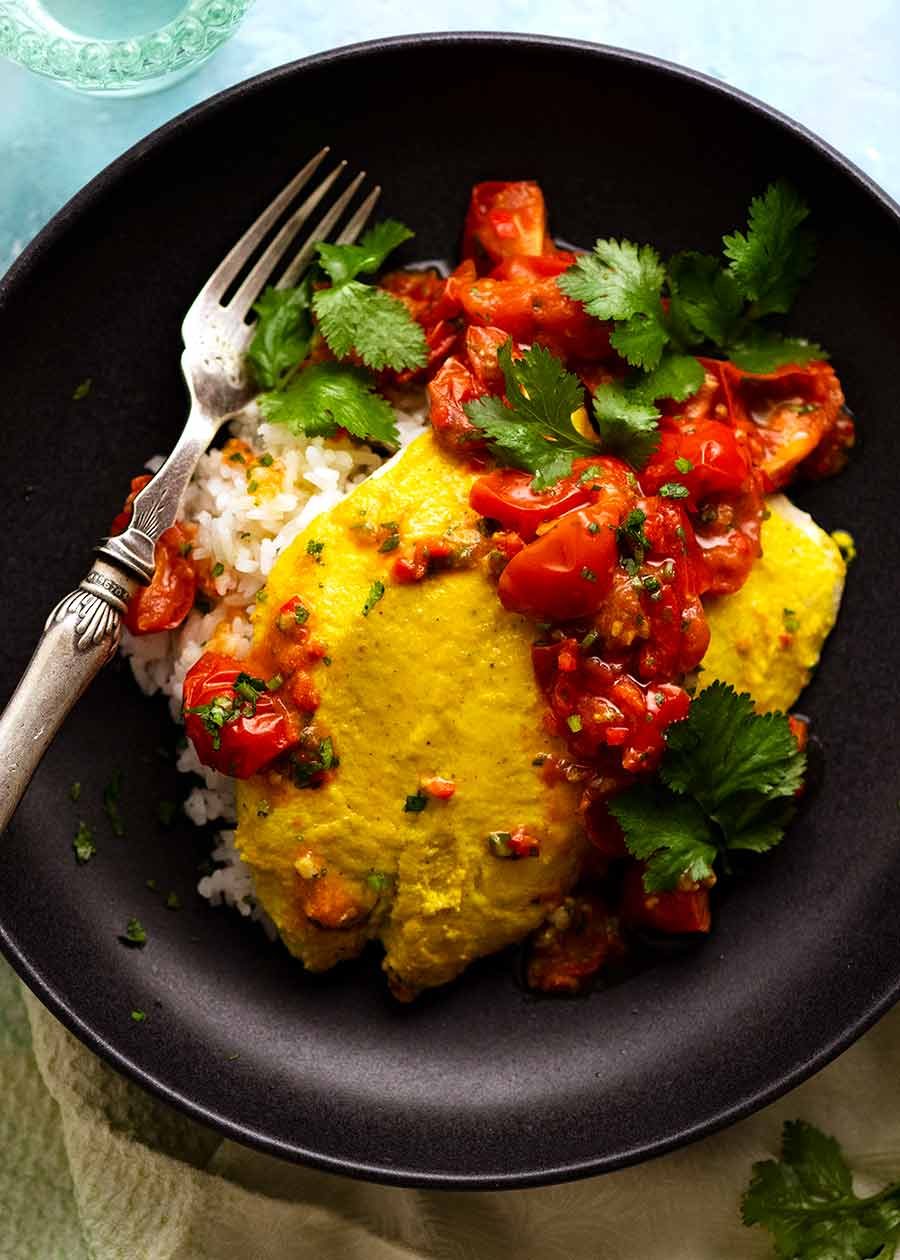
x=807 y=1203
x=354 y=318
x=727 y=781
x=695 y=300
x=533 y=430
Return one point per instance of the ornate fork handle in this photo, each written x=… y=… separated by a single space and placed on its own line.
x=80 y=636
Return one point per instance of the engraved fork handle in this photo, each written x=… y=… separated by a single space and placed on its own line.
x=79 y=637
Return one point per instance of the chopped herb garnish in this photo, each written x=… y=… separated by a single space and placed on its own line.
x=674 y=490
x=236 y=457
x=574 y=723
x=684 y=465
x=185 y=548
x=173 y=901
x=315 y=549
x=218 y=569
x=590 y=473
x=376 y=591
x=111 y=796
x=301 y=614
x=326 y=660
x=274 y=682
x=75 y=791
x=166 y=811
x=499 y=843
x=139 y=1016
x=593 y=528
x=415 y=803
x=252 y=487
x=391 y=543
x=588 y=574
x=632 y=541
x=135 y=934
x=266 y=460
x=82 y=390
x=589 y=640
x=379 y=881
x=791 y=621
x=651 y=585
x=263 y=809
x=261 y=596
x=83 y=844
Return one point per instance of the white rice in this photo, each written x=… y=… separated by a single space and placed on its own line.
x=244 y=533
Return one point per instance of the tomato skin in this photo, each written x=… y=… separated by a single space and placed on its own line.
x=549 y=578
x=482 y=347
x=448 y=391
x=675 y=913
x=537 y=311
x=506 y=496
x=167 y=600
x=170 y=595
x=505 y=219
x=719 y=464
x=536 y=267
x=423 y=293
x=248 y=743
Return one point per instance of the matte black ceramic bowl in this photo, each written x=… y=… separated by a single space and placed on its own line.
x=476 y=1085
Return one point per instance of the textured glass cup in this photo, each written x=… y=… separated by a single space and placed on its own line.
x=116 y=47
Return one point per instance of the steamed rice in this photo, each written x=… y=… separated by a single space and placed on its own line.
x=244 y=534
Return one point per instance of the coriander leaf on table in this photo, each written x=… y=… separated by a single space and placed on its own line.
x=283 y=333
x=807 y=1203
x=670 y=833
x=733 y=773
x=325 y=396
x=535 y=431
x=373 y=323
x=763 y=350
x=776 y=253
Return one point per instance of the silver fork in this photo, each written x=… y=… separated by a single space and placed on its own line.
x=82 y=632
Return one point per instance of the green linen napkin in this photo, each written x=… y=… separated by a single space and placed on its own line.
x=95 y=1169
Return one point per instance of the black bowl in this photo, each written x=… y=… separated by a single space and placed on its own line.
x=476 y=1085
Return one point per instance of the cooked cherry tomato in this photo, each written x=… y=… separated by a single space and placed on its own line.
x=536 y=311
x=448 y=391
x=423 y=293
x=536 y=267
x=505 y=219
x=170 y=595
x=566 y=572
x=507 y=496
x=672 y=912
x=787 y=414
x=482 y=346
x=565 y=956
x=704 y=456
x=236 y=725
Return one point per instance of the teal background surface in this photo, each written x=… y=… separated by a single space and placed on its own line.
x=835 y=67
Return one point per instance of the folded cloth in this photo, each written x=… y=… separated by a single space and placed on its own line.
x=95 y=1168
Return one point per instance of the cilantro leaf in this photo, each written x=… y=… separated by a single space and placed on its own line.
x=725 y=749
x=706 y=302
x=373 y=323
x=325 y=396
x=283 y=333
x=535 y=430
x=616 y=281
x=626 y=414
x=807 y=1202
x=670 y=833
x=729 y=777
x=764 y=350
x=769 y=261
x=622 y=281
x=627 y=425
x=677 y=376
x=83 y=843
x=346 y=262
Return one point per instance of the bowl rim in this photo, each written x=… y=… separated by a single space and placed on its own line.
x=30 y=973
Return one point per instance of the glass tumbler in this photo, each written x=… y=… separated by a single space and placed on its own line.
x=116 y=47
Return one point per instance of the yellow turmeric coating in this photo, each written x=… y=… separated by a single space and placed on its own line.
x=436 y=680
